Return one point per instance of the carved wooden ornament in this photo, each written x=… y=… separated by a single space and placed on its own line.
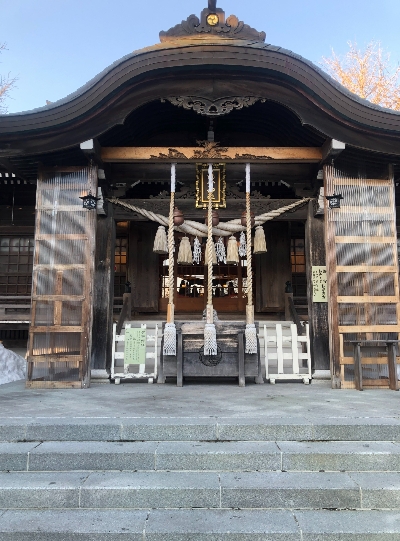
x=206 y=107
x=212 y=22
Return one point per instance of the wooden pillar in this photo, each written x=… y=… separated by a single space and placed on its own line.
x=103 y=296
x=317 y=311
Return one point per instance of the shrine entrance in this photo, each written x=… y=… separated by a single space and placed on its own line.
x=229 y=286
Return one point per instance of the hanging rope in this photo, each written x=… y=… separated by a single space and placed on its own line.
x=209 y=242
x=250 y=332
x=169 y=347
x=224 y=229
x=210 y=334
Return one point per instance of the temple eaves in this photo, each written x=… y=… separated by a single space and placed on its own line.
x=212 y=22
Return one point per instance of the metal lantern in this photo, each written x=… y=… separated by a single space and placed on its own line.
x=334 y=200
x=89 y=201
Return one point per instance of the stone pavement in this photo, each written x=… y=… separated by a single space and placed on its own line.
x=284 y=401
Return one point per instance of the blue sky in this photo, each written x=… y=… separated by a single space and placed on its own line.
x=56 y=46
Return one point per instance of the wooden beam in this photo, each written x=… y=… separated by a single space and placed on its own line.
x=331 y=149
x=199 y=154
x=12 y=169
x=92 y=150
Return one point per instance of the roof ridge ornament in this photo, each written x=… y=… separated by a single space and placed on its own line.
x=212 y=22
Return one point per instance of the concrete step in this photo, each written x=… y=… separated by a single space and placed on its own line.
x=198 y=525
x=186 y=490
x=201 y=456
x=130 y=429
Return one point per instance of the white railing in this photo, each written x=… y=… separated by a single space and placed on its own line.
x=283 y=351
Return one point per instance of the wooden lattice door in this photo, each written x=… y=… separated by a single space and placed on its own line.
x=363 y=282
x=61 y=320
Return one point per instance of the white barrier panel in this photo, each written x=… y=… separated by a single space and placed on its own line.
x=131 y=349
x=284 y=351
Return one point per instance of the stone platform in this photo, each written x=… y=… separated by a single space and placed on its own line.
x=204 y=462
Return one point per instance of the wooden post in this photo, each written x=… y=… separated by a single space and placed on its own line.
x=392 y=366
x=103 y=295
x=331 y=263
x=358 y=367
x=179 y=360
x=288 y=315
x=317 y=311
x=242 y=379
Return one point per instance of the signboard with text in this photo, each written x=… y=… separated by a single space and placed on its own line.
x=135 y=346
x=319 y=284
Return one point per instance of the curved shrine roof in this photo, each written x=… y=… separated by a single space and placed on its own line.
x=203 y=64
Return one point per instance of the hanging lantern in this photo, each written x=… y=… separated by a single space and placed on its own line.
x=90 y=201
x=242 y=245
x=232 y=257
x=197 y=251
x=160 y=242
x=185 y=252
x=243 y=219
x=178 y=217
x=334 y=200
x=220 y=251
x=215 y=218
x=260 y=245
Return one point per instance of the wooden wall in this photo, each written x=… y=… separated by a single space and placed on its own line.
x=273 y=269
x=61 y=326
x=143 y=271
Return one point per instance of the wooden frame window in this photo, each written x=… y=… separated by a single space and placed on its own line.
x=121 y=248
x=16 y=263
x=298 y=261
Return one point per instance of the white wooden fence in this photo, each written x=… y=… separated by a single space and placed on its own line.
x=287 y=354
x=120 y=369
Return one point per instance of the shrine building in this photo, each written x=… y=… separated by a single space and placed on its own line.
x=106 y=198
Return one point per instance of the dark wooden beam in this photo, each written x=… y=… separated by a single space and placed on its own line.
x=12 y=169
x=92 y=150
x=331 y=149
x=199 y=154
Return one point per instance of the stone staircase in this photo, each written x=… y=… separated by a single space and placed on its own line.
x=177 y=479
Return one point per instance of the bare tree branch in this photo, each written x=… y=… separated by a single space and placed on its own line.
x=367 y=73
x=7 y=82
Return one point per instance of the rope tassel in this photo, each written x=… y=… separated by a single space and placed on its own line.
x=260 y=245
x=232 y=257
x=251 y=338
x=185 y=252
x=160 y=241
x=169 y=347
x=210 y=339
